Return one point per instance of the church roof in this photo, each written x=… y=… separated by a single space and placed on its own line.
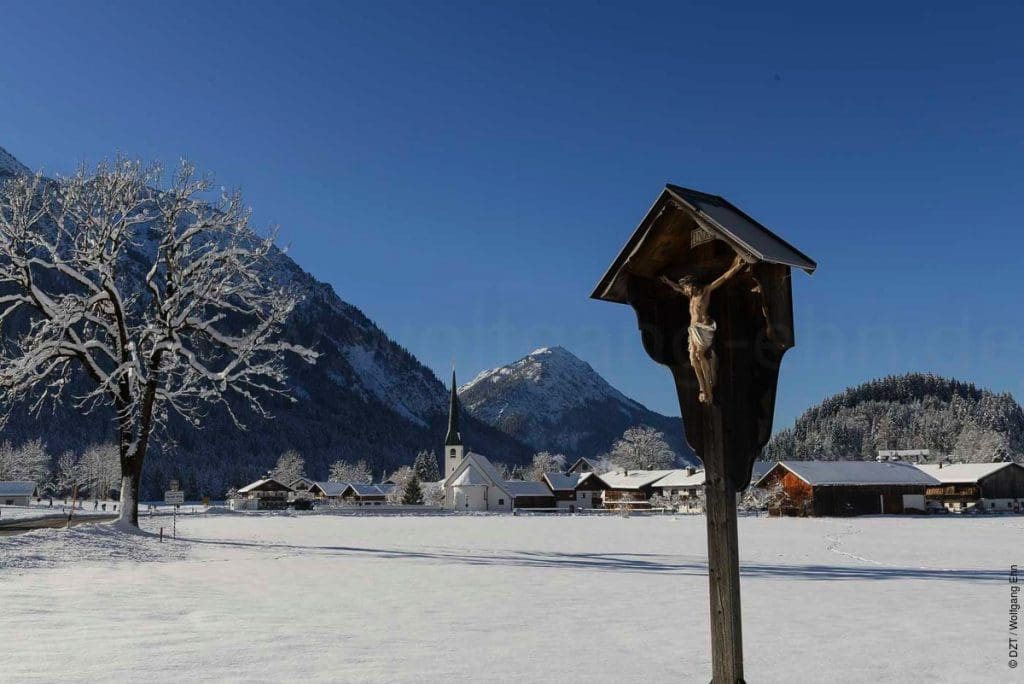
x=471 y=476
x=523 y=488
x=453 y=438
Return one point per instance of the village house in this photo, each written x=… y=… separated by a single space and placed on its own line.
x=261 y=495
x=329 y=492
x=631 y=488
x=576 y=491
x=17 y=492
x=842 y=488
x=992 y=487
x=683 y=488
x=301 y=486
x=366 y=494
x=582 y=465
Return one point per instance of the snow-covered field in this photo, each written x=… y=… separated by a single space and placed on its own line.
x=409 y=599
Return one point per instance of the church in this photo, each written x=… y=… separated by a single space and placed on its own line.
x=472 y=483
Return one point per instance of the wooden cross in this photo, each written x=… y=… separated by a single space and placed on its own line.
x=687 y=241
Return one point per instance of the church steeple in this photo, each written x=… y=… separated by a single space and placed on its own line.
x=453 y=449
x=453 y=438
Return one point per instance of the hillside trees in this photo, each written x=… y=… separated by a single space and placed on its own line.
x=203 y=326
x=914 y=411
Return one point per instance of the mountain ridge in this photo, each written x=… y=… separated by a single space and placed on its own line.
x=552 y=400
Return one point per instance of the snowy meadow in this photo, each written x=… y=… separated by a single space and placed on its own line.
x=454 y=598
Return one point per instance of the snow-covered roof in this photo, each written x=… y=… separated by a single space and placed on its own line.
x=17 y=488
x=857 y=473
x=962 y=473
x=759 y=469
x=583 y=465
x=267 y=483
x=301 y=482
x=521 y=488
x=633 y=479
x=330 y=488
x=565 y=483
x=364 y=490
x=470 y=477
x=682 y=478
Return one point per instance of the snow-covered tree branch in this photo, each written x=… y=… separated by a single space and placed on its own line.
x=203 y=330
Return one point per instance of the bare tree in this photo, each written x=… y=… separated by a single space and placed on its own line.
x=545 y=462
x=401 y=478
x=68 y=473
x=642 y=448
x=100 y=470
x=344 y=471
x=201 y=329
x=29 y=461
x=290 y=467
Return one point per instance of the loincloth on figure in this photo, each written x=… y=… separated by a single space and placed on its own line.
x=702 y=336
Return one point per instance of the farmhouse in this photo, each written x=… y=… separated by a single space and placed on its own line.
x=17 y=492
x=582 y=465
x=840 y=488
x=301 y=485
x=327 y=491
x=576 y=491
x=265 y=494
x=978 y=486
x=684 y=488
x=366 y=494
x=631 y=488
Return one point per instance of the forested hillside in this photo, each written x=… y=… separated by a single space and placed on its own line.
x=913 y=411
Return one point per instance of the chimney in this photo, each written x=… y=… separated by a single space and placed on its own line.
x=940 y=465
x=690 y=470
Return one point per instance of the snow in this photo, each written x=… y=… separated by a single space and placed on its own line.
x=454 y=598
x=962 y=473
x=857 y=472
x=550 y=381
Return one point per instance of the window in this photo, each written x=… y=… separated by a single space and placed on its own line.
x=452 y=452
x=501 y=502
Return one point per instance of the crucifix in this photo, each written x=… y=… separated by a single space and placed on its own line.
x=723 y=345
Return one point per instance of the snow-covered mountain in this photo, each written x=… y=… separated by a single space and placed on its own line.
x=366 y=398
x=552 y=400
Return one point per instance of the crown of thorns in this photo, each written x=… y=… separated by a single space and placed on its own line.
x=688 y=280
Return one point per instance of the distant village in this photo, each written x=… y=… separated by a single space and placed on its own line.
x=897 y=482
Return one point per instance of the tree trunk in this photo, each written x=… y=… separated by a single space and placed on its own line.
x=131 y=472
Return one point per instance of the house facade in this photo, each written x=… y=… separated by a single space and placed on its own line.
x=17 y=492
x=989 y=487
x=262 y=495
x=576 y=491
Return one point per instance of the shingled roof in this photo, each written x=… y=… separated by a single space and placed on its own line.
x=714 y=214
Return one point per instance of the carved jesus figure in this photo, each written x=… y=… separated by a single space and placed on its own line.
x=702 y=328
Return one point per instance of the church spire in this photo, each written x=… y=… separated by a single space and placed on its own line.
x=453 y=438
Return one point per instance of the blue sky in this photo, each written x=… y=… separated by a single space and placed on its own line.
x=464 y=172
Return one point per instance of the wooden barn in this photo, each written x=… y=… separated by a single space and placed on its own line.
x=843 y=488
x=990 y=487
x=576 y=491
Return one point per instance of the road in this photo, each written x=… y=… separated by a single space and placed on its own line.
x=13 y=527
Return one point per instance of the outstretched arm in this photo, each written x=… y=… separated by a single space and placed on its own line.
x=737 y=264
x=671 y=283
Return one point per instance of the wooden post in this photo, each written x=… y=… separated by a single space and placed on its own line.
x=723 y=556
